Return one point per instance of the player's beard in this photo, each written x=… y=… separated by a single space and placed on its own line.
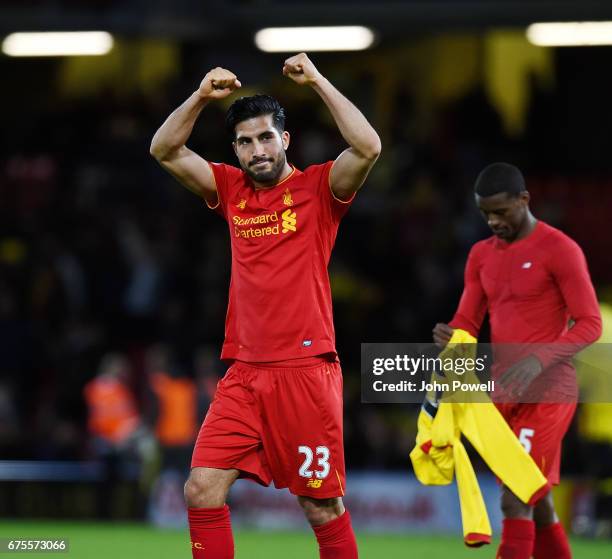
x=271 y=176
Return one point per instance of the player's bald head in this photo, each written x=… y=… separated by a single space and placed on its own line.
x=499 y=178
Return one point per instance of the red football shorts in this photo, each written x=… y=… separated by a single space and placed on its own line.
x=540 y=428
x=278 y=424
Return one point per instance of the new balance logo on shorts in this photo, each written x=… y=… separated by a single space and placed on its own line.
x=315 y=483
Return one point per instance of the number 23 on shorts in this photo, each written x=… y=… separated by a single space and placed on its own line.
x=322 y=455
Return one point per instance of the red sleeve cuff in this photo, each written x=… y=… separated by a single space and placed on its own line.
x=459 y=323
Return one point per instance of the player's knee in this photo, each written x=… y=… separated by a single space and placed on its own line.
x=544 y=512
x=203 y=491
x=321 y=511
x=513 y=507
x=200 y=494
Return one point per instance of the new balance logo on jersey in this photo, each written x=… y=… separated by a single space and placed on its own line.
x=315 y=483
x=289 y=220
x=241 y=204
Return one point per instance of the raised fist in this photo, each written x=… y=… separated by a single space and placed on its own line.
x=218 y=83
x=301 y=69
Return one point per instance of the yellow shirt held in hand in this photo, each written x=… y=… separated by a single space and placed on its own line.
x=439 y=454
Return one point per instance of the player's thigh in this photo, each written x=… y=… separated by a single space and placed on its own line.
x=303 y=431
x=230 y=437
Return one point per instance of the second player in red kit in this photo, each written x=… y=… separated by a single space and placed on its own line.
x=533 y=281
x=277 y=413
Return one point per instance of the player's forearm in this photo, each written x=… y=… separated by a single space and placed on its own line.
x=472 y=305
x=585 y=331
x=175 y=131
x=354 y=127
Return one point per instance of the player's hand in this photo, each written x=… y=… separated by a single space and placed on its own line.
x=515 y=381
x=301 y=69
x=218 y=84
x=442 y=333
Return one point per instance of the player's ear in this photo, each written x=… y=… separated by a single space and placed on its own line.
x=286 y=138
x=525 y=197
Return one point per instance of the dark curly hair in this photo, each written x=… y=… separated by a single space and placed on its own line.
x=249 y=107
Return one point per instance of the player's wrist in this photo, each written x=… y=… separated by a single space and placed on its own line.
x=202 y=96
x=317 y=81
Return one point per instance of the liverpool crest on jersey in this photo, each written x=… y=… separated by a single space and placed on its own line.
x=287 y=200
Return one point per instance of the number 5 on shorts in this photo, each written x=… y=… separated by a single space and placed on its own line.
x=322 y=453
x=525 y=438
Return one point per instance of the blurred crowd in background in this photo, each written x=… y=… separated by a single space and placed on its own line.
x=114 y=279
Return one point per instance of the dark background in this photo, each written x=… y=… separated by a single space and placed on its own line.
x=102 y=252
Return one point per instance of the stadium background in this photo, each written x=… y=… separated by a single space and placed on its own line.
x=106 y=263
